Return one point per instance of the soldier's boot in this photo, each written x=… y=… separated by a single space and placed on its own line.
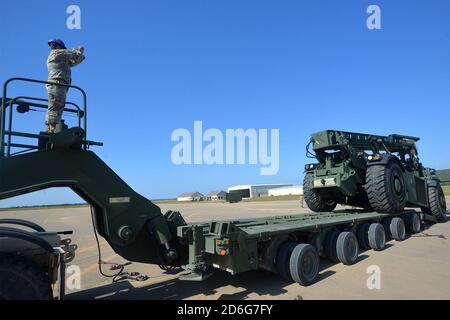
x=50 y=128
x=60 y=126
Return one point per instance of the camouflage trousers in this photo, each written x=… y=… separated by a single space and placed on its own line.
x=56 y=102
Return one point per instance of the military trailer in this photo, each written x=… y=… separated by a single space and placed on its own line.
x=31 y=257
x=379 y=173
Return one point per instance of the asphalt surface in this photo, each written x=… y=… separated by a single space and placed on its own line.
x=417 y=268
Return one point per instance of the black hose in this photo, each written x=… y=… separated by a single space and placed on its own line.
x=26 y=236
x=309 y=154
x=24 y=223
x=100 y=253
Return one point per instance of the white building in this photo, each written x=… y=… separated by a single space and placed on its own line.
x=216 y=195
x=190 y=196
x=256 y=190
x=286 y=191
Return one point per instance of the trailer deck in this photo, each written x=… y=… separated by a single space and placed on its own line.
x=240 y=245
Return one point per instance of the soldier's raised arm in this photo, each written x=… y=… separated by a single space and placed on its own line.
x=74 y=57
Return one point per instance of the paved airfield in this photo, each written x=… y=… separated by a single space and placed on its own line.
x=417 y=268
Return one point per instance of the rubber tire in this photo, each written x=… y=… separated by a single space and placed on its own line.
x=377 y=236
x=283 y=260
x=437 y=205
x=413 y=223
x=299 y=257
x=329 y=245
x=313 y=198
x=398 y=229
x=380 y=190
x=363 y=235
x=386 y=223
x=347 y=248
x=22 y=279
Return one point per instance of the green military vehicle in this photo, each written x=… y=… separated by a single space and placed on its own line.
x=380 y=173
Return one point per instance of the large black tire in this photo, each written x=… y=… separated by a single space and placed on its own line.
x=313 y=198
x=413 y=223
x=304 y=264
x=397 y=228
x=377 y=236
x=329 y=245
x=347 y=248
x=437 y=205
x=363 y=235
x=385 y=187
x=22 y=279
x=283 y=260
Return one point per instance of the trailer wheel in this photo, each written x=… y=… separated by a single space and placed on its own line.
x=363 y=235
x=377 y=236
x=397 y=228
x=413 y=223
x=22 y=279
x=314 y=199
x=330 y=245
x=385 y=187
x=437 y=205
x=386 y=222
x=347 y=248
x=304 y=264
x=283 y=260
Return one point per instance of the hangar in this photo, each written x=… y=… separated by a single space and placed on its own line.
x=255 y=190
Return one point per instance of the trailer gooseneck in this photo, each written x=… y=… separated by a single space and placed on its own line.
x=137 y=230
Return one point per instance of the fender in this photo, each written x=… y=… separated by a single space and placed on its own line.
x=385 y=160
x=434 y=182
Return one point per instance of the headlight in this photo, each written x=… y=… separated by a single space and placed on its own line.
x=309 y=166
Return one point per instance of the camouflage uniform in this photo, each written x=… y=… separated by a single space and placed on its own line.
x=59 y=63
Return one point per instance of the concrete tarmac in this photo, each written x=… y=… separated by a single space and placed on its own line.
x=417 y=268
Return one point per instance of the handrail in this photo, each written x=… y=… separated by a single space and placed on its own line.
x=5 y=104
x=16 y=100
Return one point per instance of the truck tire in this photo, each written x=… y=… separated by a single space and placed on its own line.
x=385 y=187
x=304 y=264
x=313 y=199
x=377 y=236
x=283 y=260
x=22 y=279
x=347 y=248
x=413 y=223
x=329 y=245
x=386 y=223
x=363 y=236
x=437 y=205
x=397 y=228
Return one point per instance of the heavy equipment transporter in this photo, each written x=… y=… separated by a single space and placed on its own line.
x=135 y=228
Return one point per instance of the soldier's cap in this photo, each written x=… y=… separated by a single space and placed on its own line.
x=57 y=41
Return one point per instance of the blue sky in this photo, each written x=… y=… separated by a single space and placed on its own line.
x=299 y=66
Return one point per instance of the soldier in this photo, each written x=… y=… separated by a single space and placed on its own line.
x=59 y=62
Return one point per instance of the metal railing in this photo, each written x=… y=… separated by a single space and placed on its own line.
x=6 y=133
